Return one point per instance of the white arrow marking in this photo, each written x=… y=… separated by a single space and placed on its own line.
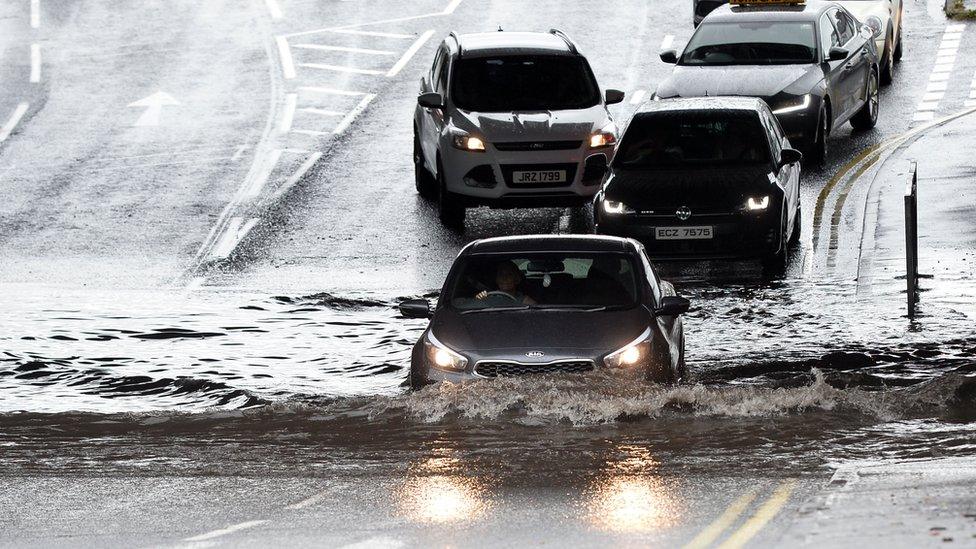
x=154 y=107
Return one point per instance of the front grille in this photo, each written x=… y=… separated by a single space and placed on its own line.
x=513 y=369
x=509 y=169
x=539 y=145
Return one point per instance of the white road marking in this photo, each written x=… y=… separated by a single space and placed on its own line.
x=345 y=28
x=194 y=284
x=288 y=113
x=969 y=103
x=35 y=14
x=287 y=63
x=321 y=112
x=407 y=55
x=324 y=47
x=296 y=151
x=295 y=178
x=948 y=52
x=923 y=116
x=972 y=94
x=955 y=28
x=934 y=96
x=35 y=73
x=937 y=86
x=239 y=152
x=372 y=33
x=637 y=97
x=313 y=133
x=344 y=123
x=273 y=8
x=154 y=107
x=938 y=77
x=12 y=122
x=235 y=232
x=308 y=502
x=944 y=67
x=667 y=42
x=375 y=543
x=224 y=531
x=451 y=7
x=928 y=106
x=331 y=91
x=254 y=189
x=339 y=68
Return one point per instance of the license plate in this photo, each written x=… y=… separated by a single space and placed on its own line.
x=539 y=176
x=683 y=233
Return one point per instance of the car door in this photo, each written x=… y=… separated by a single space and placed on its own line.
x=788 y=176
x=833 y=70
x=852 y=77
x=431 y=120
x=667 y=327
x=862 y=55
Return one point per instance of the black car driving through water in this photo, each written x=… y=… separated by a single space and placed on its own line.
x=812 y=62
x=704 y=178
x=525 y=305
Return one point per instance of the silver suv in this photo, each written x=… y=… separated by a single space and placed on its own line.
x=508 y=120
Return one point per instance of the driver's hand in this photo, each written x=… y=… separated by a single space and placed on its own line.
x=481 y=295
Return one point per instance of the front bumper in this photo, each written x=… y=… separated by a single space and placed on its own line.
x=487 y=178
x=801 y=126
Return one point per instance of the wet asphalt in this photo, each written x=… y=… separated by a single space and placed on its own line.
x=208 y=220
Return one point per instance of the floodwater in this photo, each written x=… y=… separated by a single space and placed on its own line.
x=784 y=373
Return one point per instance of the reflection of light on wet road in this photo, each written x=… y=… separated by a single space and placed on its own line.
x=435 y=496
x=631 y=497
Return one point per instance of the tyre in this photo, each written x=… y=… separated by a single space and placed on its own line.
x=774 y=263
x=797 y=227
x=682 y=366
x=417 y=380
x=423 y=180
x=450 y=212
x=898 y=48
x=867 y=117
x=888 y=61
x=817 y=151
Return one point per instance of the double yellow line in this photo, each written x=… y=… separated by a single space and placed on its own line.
x=738 y=538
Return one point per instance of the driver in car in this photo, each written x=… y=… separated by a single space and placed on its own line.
x=508 y=277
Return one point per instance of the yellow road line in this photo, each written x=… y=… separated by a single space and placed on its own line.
x=763 y=515
x=726 y=519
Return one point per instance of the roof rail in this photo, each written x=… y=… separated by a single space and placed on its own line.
x=567 y=39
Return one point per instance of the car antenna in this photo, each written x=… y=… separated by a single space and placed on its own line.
x=500 y=29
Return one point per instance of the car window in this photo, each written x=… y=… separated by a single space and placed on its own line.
x=670 y=139
x=523 y=83
x=844 y=25
x=440 y=85
x=652 y=279
x=545 y=280
x=436 y=67
x=751 y=43
x=774 y=132
x=828 y=36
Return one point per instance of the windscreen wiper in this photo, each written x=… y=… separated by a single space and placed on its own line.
x=496 y=309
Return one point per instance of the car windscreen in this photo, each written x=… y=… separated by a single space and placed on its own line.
x=751 y=43
x=523 y=83
x=544 y=281
x=686 y=139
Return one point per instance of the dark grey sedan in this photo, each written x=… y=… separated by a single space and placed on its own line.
x=518 y=306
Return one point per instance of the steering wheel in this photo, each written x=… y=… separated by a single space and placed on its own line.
x=502 y=294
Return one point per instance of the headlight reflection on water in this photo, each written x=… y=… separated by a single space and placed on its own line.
x=434 y=494
x=631 y=497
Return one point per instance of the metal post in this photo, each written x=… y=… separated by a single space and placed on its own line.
x=911 y=239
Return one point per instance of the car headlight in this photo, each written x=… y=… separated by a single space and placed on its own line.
x=795 y=105
x=874 y=22
x=467 y=142
x=616 y=208
x=606 y=137
x=442 y=357
x=757 y=203
x=634 y=353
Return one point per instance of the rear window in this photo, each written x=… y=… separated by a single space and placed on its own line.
x=545 y=280
x=682 y=138
x=779 y=43
x=524 y=83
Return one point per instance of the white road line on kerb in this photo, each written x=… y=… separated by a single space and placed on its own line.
x=287 y=63
x=411 y=51
x=308 y=502
x=344 y=123
x=35 y=73
x=313 y=133
x=324 y=47
x=667 y=42
x=273 y=8
x=288 y=113
x=339 y=68
x=224 y=531
x=637 y=97
x=35 y=14
x=330 y=91
x=235 y=232
x=258 y=183
x=295 y=178
x=372 y=33
x=321 y=112
x=12 y=122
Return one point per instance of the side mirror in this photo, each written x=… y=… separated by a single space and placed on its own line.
x=613 y=97
x=669 y=56
x=838 y=54
x=790 y=156
x=431 y=100
x=415 y=308
x=672 y=306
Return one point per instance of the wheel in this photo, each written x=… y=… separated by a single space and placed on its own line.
x=774 y=263
x=797 y=227
x=898 y=49
x=449 y=211
x=423 y=180
x=867 y=117
x=817 y=151
x=682 y=366
x=417 y=380
x=888 y=61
